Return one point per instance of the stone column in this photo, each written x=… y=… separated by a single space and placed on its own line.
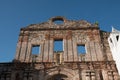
x=28 y=55
x=88 y=51
x=65 y=49
x=46 y=51
x=75 y=54
x=40 y=57
x=51 y=50
x=99 y=53
x=92 y=49
x=70 y=50
x=19 y=45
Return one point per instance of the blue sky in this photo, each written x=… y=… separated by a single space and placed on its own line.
x=15 y=14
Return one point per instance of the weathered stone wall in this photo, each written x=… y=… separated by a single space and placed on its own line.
x=96 y=64
x=96 y=70
x=72 y=33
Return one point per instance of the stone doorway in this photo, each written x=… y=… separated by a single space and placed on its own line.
x=58 y=77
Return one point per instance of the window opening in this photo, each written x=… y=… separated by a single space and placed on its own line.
x=58 y=20
x=111 y=75
x=81 y=49
x=90 y=75
x=36 y=49
x=110 y=40
x=117 y=37
x=58 y=45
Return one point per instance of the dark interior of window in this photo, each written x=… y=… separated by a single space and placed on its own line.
x=117 y=37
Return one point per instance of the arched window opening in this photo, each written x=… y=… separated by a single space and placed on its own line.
x=58 y=20
x=117 y=37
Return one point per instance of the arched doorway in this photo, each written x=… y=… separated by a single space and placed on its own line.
x=61 y=74
x=58 y=77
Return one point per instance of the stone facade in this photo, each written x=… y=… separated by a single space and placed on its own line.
x=95 y=64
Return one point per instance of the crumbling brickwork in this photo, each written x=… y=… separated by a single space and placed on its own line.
x=95 y=64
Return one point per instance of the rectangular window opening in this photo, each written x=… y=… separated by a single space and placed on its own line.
x=58 y=45
x=81 y=49
x=36 y=49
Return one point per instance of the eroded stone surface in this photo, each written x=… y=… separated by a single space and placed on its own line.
x=96 y=64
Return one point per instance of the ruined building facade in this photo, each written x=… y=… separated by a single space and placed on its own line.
x=69 y=63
